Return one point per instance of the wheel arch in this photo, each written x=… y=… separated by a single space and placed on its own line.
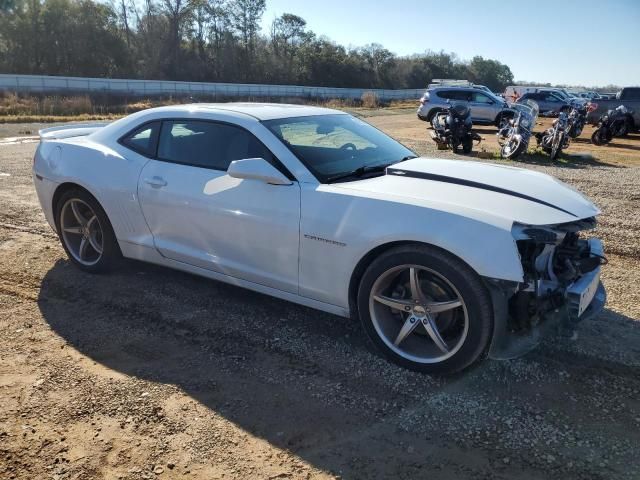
x=64 y=188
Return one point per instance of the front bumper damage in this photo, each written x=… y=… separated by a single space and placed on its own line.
x=583 y=299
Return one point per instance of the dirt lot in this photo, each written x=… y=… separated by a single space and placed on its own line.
x=152 y=373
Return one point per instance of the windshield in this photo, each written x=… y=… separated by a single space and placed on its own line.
x=528 y=111
x=333 y=145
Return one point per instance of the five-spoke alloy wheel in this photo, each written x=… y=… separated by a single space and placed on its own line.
x=85 y=231
x=425 y=309
x=81 y=231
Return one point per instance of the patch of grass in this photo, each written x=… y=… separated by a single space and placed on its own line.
x=56 y=118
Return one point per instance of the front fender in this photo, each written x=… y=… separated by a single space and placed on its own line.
x=338 y=231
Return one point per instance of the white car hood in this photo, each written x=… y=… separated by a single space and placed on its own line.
x=481 y=190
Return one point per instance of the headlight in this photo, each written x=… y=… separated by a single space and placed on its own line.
x=525 y=123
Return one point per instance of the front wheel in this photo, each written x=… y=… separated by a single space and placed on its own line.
x=425 y=310
x=599 y=137
x=556 y=148
x=512 y=148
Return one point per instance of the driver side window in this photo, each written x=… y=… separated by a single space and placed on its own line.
x=208 y=144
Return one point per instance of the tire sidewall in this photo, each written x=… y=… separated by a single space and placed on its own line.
x=110 y=249
x=468 y=284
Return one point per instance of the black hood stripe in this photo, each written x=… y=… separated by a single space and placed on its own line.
x=469 y=183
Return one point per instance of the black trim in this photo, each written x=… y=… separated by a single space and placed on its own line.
x=154 y=139
x=469 y=183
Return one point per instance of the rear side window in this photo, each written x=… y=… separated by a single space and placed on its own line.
x=144 y=139
x=459 y=95
x=208 y=144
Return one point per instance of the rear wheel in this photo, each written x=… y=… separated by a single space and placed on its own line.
x=85 y=232
x=425 y=309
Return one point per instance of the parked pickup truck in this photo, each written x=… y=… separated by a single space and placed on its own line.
x=629 y=97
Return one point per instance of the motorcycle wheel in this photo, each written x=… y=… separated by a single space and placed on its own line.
x=598 y=138
x=512 y=149
x=556 y=148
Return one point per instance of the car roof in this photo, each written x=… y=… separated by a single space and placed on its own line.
x=260 y=111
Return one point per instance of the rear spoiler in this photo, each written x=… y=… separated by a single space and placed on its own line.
x=68 y=131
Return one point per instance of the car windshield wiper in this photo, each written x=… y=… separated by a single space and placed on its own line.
x=363 y=170
x=358 y=172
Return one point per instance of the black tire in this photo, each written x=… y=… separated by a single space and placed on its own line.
x=110 y=254
x=467 y=145
x=598 y=138
x=514 y=152
x=477 y=305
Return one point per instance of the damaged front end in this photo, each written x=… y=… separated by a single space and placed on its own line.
x=561 y=287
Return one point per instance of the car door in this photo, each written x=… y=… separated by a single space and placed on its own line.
x=201 y=216
x=549 y=103
x=482 y=107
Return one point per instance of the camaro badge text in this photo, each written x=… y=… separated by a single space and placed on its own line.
x=325 y=240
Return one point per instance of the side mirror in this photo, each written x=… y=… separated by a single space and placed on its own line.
x=257 y=169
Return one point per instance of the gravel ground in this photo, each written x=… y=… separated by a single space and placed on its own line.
x=151 y=373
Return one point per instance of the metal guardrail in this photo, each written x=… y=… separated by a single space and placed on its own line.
x=50 y=84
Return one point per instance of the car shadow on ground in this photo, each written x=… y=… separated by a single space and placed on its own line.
x=566 y=159
x=282 y=372
x=303 y=380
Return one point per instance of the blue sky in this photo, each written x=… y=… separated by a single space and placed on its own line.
x=575 y=42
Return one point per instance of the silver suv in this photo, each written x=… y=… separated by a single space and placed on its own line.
x=486 y=108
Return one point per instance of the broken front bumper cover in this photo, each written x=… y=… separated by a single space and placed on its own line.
x=507 y=345
x=585 y=298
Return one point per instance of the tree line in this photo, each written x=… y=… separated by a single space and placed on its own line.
x=208 y=41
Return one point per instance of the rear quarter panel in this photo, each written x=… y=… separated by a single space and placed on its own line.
x=109 y=173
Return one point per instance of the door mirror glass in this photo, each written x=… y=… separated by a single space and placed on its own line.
x=257 y=169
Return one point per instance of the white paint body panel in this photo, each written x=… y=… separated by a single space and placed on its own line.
x=301 y=241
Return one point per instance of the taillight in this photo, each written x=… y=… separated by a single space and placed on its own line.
x=424 y=99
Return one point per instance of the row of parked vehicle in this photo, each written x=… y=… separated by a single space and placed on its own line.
x=453 y=109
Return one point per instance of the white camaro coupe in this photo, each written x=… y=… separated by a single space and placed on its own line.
x=443 y=261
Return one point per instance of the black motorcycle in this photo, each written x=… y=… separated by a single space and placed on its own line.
x=452 y=129
x=614 y=123
x=513 y=138
x=578 y=119
x=555 y=139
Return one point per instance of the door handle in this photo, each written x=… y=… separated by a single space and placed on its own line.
x=156 y=182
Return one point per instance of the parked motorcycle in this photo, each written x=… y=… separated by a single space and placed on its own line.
x=452 y=129
x=514 y=136
x=611 y=124
x=578 y=118
x=555 y=139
